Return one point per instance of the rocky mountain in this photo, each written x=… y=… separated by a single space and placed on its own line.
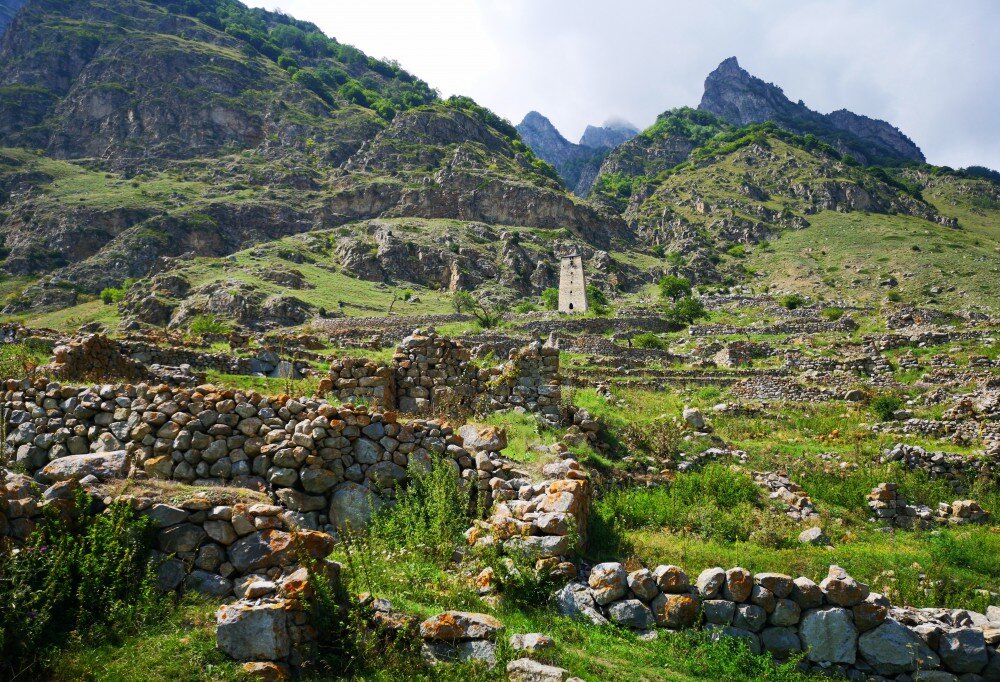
x=179 y=130
x=8 y=8
x=608 y=136
x=577 y=164
x=741 y=99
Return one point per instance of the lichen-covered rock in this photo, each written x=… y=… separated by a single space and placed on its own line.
x=710 y=582
x=841 y=589
x=671 y=579
x=453 y=626
x=738 y=585
x=608 y=582
x=675 y=611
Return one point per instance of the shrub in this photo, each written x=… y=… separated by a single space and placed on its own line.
x=648 y=340
x=885 y=405
x=596 y=297
x=90 y=579
x=525 y=307
x=894 y=297
x=792 y=301
x=832 y=314
x=737 y=251
x=111 y=295
x=208 y=324
x=550 y=298
x=673 y=287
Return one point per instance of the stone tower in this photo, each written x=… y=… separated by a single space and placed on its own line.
x=572 y=285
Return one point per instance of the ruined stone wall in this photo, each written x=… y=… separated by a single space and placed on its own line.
x=328 y=466
x=840 y=624
x=431 y=374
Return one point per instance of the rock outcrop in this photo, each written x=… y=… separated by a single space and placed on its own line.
x=741 y=99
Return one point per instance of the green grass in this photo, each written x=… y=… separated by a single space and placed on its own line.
x=181 y=648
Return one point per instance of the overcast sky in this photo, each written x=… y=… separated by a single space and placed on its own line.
x=931 y=68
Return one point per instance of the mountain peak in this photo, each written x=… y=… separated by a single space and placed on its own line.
x=741 y=98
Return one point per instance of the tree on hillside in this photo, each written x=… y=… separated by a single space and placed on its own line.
x=674 y=287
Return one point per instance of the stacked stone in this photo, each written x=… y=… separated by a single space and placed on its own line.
x=432 y=371
x=888 y=505
x=269 y=627
x=218 y=550
x=961 y=512
x=358 y=379
x=951 y=467
x=333 y=465
x=799 y=507
x=94 y=355
x=460 y=636
x=265 y=363
x=839 y=624
x=543 y=521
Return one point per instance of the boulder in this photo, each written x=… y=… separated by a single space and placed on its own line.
x=675 y=611
x=452 y=626
x=814 y=536
x=253 y=632
x=477 y=437
x=963 y=650
x=694 y=417
x=576 y=601
x=532 y=641
x=828 y=635
x=642 y=584
x=710 y=582
x=460 y=652
x=352 y=506
x=752 y=640
x=893 y=648
x=527 y=670
x=738 y=585
x=608 y=582
x=841 y=589
x=631 y=613
x=780 y=641
x=105 y=466
x=671 y=579
x=184 y=537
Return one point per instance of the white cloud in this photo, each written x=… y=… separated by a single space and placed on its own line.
x=930 y=68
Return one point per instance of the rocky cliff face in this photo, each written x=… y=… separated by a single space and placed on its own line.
x=577 y=163
x=741 y=99
x=608 y=136
x=8 y=8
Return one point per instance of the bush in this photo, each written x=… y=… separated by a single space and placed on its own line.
x=885 y=405
x=596 y=297
x=673 y=287
x=737 y=251
x=110 y=295
x=832 y=314
x=550 y=298
x=525 y=307
x=649 y=340
x=792 y=301
x=89 y=579
x=208 y=324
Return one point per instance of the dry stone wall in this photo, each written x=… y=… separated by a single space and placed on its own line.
x=329 y=466
x=431 y=374
x=839 y=625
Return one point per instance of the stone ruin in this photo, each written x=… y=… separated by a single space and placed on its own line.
x=888 y=505
x=430 y=374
